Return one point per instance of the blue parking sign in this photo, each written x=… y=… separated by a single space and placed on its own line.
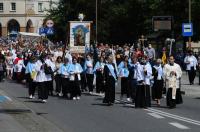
x=187 y=29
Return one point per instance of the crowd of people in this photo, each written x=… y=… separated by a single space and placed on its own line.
x=144 y=76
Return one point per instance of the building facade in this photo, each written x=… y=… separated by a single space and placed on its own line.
x=23 y=15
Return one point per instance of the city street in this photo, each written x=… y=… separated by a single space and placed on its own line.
x=20 y=114
x=114 y=51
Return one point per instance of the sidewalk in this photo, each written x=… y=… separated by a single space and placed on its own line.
x=7 y=122
x=16 y=117
x=190 y=90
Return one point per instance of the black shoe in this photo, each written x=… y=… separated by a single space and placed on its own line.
x=145 y=108
x=110 y=104
x=172 y=107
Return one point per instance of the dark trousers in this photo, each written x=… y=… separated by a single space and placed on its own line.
x=1 y=75
x=49 y=85
x=170 y=102
x=65 y=86
x=179 y=99
x=90 y=78
x=19 y=77
x=125 y=86
x=157 y=89
x=147 y=96
x=109 y=90
x=83 y=82
x=140 y=97
x=99 y=82
x=199 y=77
x=75 y=88
x=42 y=90
x=58 y=81
x=32 y=87
x=192 y=74
x=132 y=89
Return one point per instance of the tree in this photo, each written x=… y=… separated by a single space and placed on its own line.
x=123 y=21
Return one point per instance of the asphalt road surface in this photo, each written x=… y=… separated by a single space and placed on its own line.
x=89 y=114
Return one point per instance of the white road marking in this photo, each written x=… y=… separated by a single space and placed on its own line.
x=8 y=98
x=165 y=114
x=156 y=115
x=131 y=105
x=178 y=125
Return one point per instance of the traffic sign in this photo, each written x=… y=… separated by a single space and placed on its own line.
x=187 y=29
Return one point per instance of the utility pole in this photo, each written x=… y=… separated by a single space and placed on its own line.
x=50 y=4
x=96 y=21
x=190 y=20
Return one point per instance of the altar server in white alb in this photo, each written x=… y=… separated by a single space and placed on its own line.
x=41 y=79
x=147 y=78
x=144 y=72
x=75 y=70
x=49 y=70
x=191 y=64
x=172 y=75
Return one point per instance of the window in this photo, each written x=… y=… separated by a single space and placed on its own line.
x=40 y=7
x=13 y=6
x=1 y=6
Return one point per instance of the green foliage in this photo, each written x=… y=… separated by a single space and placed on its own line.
x=121 y=21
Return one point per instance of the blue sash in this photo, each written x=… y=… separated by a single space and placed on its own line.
x=65 y=69
x=124 y=72
x=112 y=70
x=99 y=65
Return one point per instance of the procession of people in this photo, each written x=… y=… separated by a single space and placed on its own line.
x=143 y=74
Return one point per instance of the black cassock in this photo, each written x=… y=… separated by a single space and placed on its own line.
x=99 y=82
x=109 y=86
x=172 y=102
x=157 y=86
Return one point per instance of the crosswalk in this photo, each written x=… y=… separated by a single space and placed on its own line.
x=178 y=125
x=158 y=114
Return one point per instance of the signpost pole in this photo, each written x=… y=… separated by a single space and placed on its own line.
x=190 y=39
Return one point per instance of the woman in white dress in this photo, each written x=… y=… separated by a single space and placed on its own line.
x=9 y=65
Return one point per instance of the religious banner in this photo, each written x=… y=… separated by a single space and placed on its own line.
x=79 y=36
